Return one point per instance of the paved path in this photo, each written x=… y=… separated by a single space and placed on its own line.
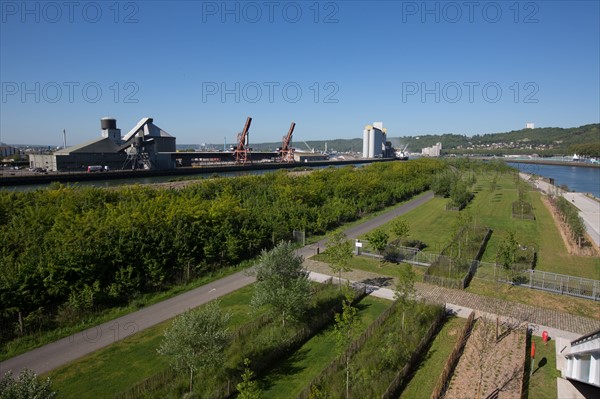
x=555 y=322
x=367 y=226
x=50 y=356
x=55 y=354
x=589 y=210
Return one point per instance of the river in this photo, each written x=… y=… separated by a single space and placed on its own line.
x=577 y=178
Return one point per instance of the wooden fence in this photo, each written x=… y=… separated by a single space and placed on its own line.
x=228 y=388
x=339 y=362
x=395 y=386
x=452 y=360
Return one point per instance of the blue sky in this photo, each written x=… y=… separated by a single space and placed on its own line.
x=200 y=68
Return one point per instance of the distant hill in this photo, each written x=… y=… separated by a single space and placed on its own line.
x=543 y=141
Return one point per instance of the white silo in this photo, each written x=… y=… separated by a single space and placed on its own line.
x=366 y=142
x=372 y=143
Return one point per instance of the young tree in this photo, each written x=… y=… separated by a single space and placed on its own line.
x=339 y=253
x=196 y=339
x=248 y=389
x=507 y=253
x=282 y=283
x=27 y=385
x=346 y=329
x=401 y=228
x=378 y=239
x=405 y=288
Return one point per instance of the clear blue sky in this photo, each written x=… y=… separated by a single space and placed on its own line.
x=371 y=61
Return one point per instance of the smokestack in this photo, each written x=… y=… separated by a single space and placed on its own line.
x=64 y=138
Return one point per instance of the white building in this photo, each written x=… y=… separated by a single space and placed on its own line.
x=434 y=151
x=374 y=140
x=529 y=125
x=583 y=360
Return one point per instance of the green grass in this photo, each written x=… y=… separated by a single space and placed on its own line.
x=293 y=374
x=313 y=239
x=27 y=343
x=433 y=225
x=117 y=367
x=424 y=379
x=430 y=223
x=372 y=265
x=542 y=384
x=537 y=298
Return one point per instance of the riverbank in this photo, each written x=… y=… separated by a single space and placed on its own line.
x=542 y=161
x=589 y=210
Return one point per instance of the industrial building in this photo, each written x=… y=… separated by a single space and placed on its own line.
x=434 y=151
x=375 y=144
x=146 y=146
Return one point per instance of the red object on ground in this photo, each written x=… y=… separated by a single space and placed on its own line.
x=545 y=337
x=532 y=350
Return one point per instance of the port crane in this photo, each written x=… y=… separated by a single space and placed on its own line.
x=286 y=152
x=241 y=153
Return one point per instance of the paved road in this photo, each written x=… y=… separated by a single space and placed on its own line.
x=48 y=357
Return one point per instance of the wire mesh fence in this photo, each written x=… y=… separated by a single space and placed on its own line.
x=541 y=280
x=488 y=271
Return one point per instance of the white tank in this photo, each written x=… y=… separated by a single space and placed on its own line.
x=372 y=143
x=366 y=143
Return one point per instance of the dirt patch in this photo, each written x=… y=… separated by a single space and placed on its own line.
x=489 y=363
x=562 y=227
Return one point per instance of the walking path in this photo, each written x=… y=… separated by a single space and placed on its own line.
x=556 y=323
x=55 y=354
x=589 y=210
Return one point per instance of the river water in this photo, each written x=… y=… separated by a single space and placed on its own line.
x=577 y=178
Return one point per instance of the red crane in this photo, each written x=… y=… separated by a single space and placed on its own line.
x=242 y=151
x=287 y=152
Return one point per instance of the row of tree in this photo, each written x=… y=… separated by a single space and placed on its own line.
x=67 y=251
x=570 y=215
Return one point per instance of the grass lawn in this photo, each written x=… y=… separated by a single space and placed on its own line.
x=373 y=265
x=567 y=304
x=314 y=238
x=293 y=374
x=542 y=384
x=424 y=379
x=542 y=299
x=433 y=225
x=117 y=367
x=430 y=223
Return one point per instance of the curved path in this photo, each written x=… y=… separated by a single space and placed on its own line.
x=63 y=351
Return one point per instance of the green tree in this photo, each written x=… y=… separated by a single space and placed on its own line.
x=378 y=239
x=401 y=228
x=405 y=287
x=282 y=282
x=26 y=386
x=345 y=330
x=248 y=388
x=196 y=339
x=507 y=253
x=339 y=253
